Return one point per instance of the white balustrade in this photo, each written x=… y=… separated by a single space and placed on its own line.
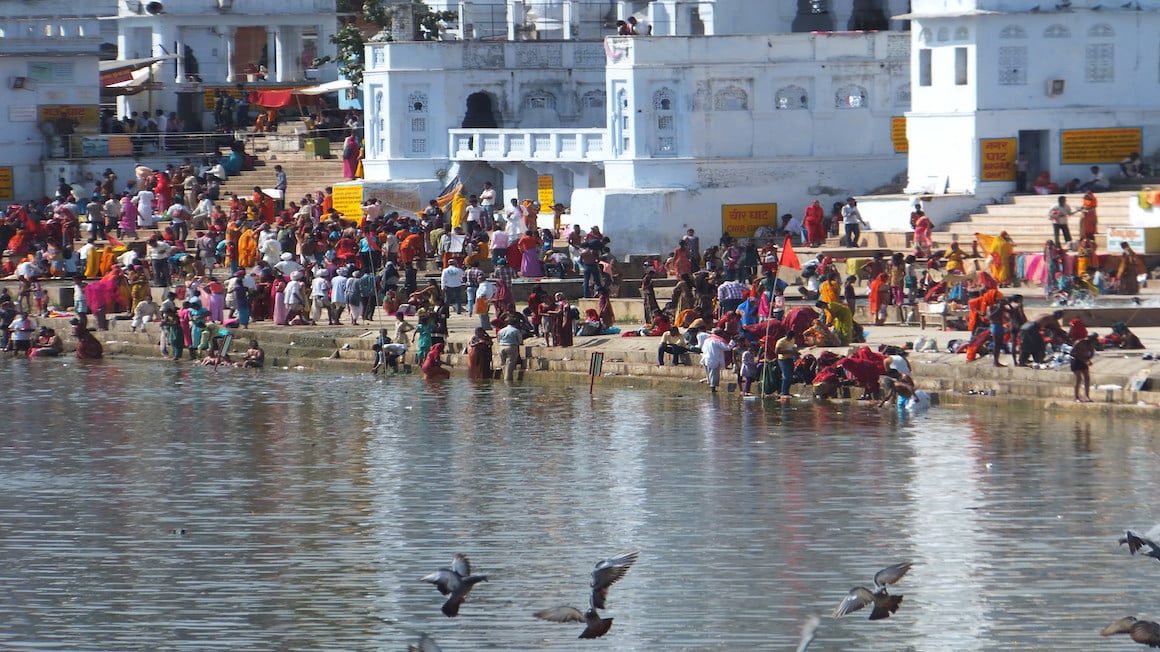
x=558 y=145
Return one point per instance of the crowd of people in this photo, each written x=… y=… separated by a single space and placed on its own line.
x=225 y=264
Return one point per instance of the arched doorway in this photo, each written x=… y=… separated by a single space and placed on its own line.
x=480 y=112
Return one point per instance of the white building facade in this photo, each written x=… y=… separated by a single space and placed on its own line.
x=645 y=136
x=1069 y=86
x=48 y=65
x=221 y=43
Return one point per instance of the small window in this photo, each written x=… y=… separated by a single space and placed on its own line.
x=924 y=76
x=960 y=66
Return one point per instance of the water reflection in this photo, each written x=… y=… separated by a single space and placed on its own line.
x=311 y=504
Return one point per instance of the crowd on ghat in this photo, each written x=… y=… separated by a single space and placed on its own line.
x=224 y=264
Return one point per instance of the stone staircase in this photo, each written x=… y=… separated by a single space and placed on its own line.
x=1024 y=218
x=304 y=174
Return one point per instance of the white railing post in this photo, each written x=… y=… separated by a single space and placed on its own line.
x=566 y=18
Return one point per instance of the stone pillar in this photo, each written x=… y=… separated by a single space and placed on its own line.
x=706 y=12
x=466 y=27
x=231 y=72
x=289 y=48
x=515 y=19
x=179 y=50
x=273 y=47
x=283 y=67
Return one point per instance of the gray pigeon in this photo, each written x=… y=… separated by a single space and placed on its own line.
x=1144 y=632
x=607 y=572
x=884 y=603
x=1136 y=543
x=454 y=582
x=594 y=625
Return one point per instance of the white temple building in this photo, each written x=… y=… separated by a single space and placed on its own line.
x=650 y=135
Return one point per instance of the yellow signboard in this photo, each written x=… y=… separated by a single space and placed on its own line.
x=71 y=118
x=997 y=159
x=898 y=134
x=546 y=190
x=1084 y=146
x=348 y=201
x=741 y=220
x=7 y=191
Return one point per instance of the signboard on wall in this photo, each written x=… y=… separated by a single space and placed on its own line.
x=997 y=158
x=898 y=134
x=79 y=118
x=7 y=191
x=741 y=220
x=545 y=192
x=1134 y=236
x=1094 y=146
x=348 y=201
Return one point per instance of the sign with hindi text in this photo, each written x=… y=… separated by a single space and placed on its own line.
x=348 y=201
x=1094 y=146
x=546 y=192
x=898 y=134
x=997 y=158
x=7 y=192
x=742 y=220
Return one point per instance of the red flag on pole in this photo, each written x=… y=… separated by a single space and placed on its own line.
x=788 y=257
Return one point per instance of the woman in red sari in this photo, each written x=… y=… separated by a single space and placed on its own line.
x=564 y=328
x=433 y=366
x=479 y=355
x=879 y=298
x=815 y=223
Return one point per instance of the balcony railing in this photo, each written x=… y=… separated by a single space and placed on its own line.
x=559 y=145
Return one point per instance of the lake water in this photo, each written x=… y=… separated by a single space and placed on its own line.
x=311 y=504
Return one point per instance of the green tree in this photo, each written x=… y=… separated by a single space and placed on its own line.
x=373 y=19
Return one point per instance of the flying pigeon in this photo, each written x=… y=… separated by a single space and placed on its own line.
x=454 y=582
x=1136 y=543
x=1144 y=632
x=884 y=603
x=606 y=573
x=594 y=625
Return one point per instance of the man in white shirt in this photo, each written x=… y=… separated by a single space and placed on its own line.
x=454 y=294
x=713 y=350
x=145 y=312
x=286 y=264
x=295 y=294
x=487 y=201
x=852 y=219
x=145 y=201
x=320 y=296
x=179 y=217
x=1097 y=183
x=85 y=251
x=202 y=212
x=159 y=252
x=22 y=329
x=475 y=215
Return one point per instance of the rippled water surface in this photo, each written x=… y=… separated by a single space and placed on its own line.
x=148 y=507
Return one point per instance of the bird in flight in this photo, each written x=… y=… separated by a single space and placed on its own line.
x=884 y=603
x=809 y=631
x=1136 y=543
x=1144 y=632
x=455 y=582
x=606 y=573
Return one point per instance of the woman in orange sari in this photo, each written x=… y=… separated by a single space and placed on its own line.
x=682 y=264
x=879 y=298
x=1088 y=223
x=247 y=249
